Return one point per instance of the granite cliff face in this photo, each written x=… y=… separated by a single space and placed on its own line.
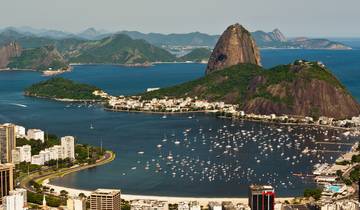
x=235 y=46
x=7 y=52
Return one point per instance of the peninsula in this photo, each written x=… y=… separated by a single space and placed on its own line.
x=234 y=76
x=63 y=90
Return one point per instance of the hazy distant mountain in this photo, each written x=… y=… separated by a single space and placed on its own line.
x=274 y=39
x=29 y=31
x=93 y=34
x=190 y=39
x=117 y=49
x=29 y=37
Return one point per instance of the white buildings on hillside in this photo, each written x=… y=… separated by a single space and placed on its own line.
x=68 y=145
x=37 y=160
x=65 y=150
x=56 y=152
x=21 y=154
x=36 y=134
x=20 y=131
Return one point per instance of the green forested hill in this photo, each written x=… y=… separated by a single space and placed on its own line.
x=118 y=49
x=301 y=88
x=60 y=88
x=41 y=58
x=197 y=55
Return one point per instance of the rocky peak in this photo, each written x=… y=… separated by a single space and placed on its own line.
x=235 y=46
x=13 y=49
x=278 y=36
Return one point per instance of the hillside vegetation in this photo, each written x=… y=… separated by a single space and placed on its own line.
x=197 y=55
x=60 y=88
x=306 y=89
x=118 y=49
x=42 y=58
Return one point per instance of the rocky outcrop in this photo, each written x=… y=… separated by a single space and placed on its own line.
x=278 y=36
x=235 y=46
x=7 y=52
x=308 y=98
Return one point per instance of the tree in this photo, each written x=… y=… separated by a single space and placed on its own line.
x=64 y=193
x=315 y=193
x=82 y=195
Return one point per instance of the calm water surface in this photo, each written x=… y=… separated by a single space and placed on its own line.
x=202 y=155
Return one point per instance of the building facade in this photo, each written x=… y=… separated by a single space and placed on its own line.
x=261 y=197
x=6 y=179
x=25 y=153
x=7 y=142
x=36 y=134
x=68 y=145
x=105 y=199
x=76 y=203
x=16 y=200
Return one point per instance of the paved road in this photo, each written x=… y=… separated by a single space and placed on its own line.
x=25 y=182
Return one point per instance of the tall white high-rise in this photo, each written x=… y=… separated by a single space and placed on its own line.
x=25 y=153
x=68 y=145
x=16 y=200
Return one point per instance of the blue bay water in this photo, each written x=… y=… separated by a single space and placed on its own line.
x=129 y=133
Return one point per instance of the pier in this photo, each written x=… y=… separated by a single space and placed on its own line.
x=334 y=143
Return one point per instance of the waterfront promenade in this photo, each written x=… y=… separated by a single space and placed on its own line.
x=170 y=199
x=39 y=177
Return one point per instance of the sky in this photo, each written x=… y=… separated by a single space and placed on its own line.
x=313 y=18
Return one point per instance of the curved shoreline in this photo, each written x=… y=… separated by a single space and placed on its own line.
x=171 y=199
x=40 y=177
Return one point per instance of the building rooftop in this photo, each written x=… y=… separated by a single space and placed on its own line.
x=106 y=192
x=261 y=188
x=6 y=165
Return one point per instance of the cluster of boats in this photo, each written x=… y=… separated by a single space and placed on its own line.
x=242 y=153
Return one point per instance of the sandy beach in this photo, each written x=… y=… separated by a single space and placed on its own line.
x=202 y=200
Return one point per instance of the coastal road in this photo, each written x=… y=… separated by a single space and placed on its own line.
x=39 y=177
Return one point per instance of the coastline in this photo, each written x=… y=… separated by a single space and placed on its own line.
x=41 y=176
x=66 y=99
x=230 y=118
x=171 y=199
x=44 y=72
